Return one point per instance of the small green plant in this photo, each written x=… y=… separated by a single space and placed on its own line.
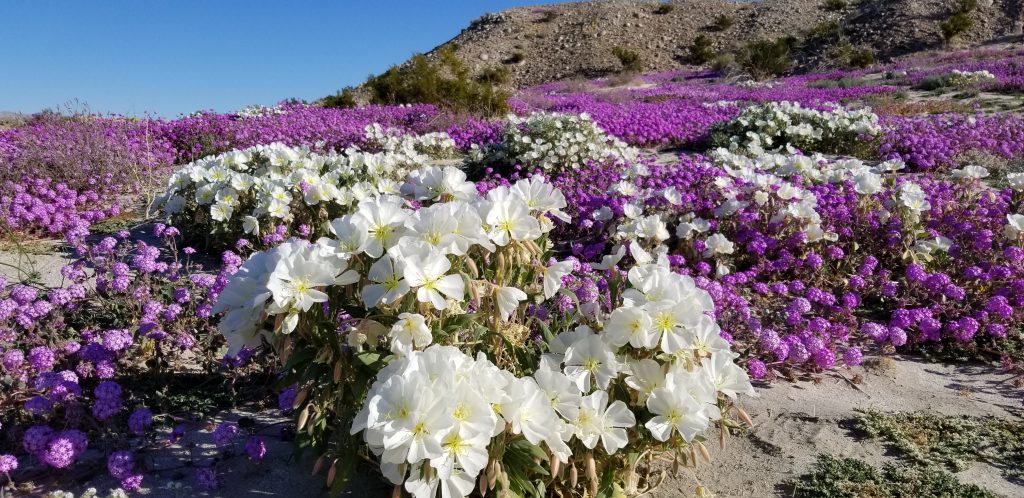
x=949 y=441
x=826 y=31
x=701 y=51
x=860 y=57
x=835 y=5
x=723 y=22
x=630 y=60
x=955 y=25
x=344 y=99
x=664 y=8
x=835 y=477
x=854 y=57
x=764 y=59
x=724 y=63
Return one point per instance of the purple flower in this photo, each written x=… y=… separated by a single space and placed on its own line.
x=757 y=369
x=255 y=448
x=224 y=434
x=120 y=464
x=139 y=421
x=8 y=464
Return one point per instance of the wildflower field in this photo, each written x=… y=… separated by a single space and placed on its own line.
x=582 y=298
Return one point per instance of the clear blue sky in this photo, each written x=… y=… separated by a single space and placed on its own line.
x=173 y=57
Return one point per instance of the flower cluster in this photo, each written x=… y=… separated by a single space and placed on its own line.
x=256 y=190
x=965 y=79
x=775 y=125
x=440 y=290
x=554 y=142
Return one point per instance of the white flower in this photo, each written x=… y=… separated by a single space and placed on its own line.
x=553 y=277
x=675 y=411
x=250 y=224
x=390 y=285
x=1014 y=225
x=562 y=393
x=970 y=172
x=410 y=332
x=508 y=299
x=672 y=195
x=597 y=420
x=1016 y=181
x=718 y=244
x=590 y=358
x=384 y=219
x=427 y=274
x=645 y=376
x=630 y=325
x=221 y=212
x=509 y=220
x=727 y=377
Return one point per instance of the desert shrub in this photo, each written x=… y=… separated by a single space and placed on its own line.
x=344 y=99
x=860 y=57
x=724 y=63
x=446 y=83
x=835 y=5
x=955 y=25
x=493 y=76
x=775 y=125
x=851 y=56
x=515 y=58
x=553 y=143
x=664 y=8
x=630 y=60
x=766 y=58
x=701 y=51
x=825 y=32
x=723 y=22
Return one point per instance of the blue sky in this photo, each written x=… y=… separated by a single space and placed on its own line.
x=173 y=57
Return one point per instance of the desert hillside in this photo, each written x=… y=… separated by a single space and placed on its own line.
x=551 y=42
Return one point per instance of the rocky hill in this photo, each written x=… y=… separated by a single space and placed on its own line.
x=576 y=40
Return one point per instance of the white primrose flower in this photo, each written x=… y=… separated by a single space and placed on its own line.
x=718 y=244
x=428 y=275
x=384 y=219
x=1014 y=226
x=589 y=358
x=1016 y=181
x=509 y=219
x=553 y=277
x=508 y=299
x=409 y=332
x=597 y=420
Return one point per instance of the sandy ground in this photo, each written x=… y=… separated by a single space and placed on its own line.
x=794 y=423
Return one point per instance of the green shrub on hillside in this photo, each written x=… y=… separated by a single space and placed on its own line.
x=701 y=51
x=956 y=24
x=630 y=60
x=764 y=59
x=446 y=83
x=664 y=8
x=724 y=22
x=344 y=99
